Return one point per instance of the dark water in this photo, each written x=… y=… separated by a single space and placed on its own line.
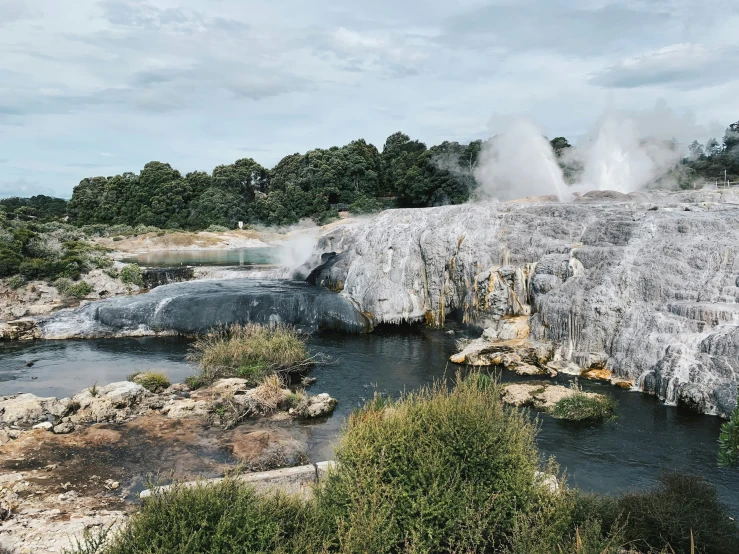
x=209 y=257
x=630 y=453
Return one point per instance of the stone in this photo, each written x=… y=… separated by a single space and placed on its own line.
x=321 y=405
x=28 y=409
x=113 y=402
x=46 y=426
x=185 y=407
x=64 y=428
x=538 y=395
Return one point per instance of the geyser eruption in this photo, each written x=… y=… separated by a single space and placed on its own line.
x=625 y=151
x=519 y=162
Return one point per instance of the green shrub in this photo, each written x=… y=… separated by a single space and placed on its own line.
x=77 y=290
x=583 y=406
x=665 y=517
x=10 y=262
x=153 y=381
x=250 y=352
x=217 y=229
x=438 y=471
x=131 y=274
x=16 y=282
x=728 y=440
x=117 y=239
x=217 y=518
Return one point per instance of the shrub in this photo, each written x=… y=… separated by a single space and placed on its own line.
x=728 y=453
x=249 y=351
x=79 y=290
x=217 y=229
x=16 y=282
x=10 y=262
x=216 y=519
x=583 y=406
x=681 y=505
x=438 y=471
x=153 y=381
x=131 y=274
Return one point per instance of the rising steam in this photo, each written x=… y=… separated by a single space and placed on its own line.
x=625 y=151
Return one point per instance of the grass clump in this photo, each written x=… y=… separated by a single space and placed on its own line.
x=582 y=406
x=153 y=381
x=249 y=351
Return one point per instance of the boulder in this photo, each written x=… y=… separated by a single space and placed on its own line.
x=114 y=402
x=28 y=409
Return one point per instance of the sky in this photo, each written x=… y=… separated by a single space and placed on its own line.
x=99 y=87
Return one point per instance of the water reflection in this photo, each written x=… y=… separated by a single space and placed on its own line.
x=210 y=257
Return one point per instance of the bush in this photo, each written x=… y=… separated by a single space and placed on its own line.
x=728 y=453
x=68 y=288
x=153 y=381
x=584 y=407
x=666 y=516
x=249 y=351
x=437 y=471
x=216 y=229
x=217 y=518
x=16 y=282
x=131 y=274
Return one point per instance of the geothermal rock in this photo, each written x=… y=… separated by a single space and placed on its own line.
x=652 y=292
x=28 y=409
x=539 y=395
x=200 y=306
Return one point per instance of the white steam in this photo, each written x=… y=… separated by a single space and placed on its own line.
x=519 y=162
x=298 y=247
x=625 y=151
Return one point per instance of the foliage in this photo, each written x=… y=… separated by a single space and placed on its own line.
x=582 y=406
x=728 y=454
x=216 y=519
x=37 y=208
x=249 y=351
x=681 y=509
x=708 y=163
x=153 y=381
x=436 y=471
x=16 y=282
x=131 y=274
x=439 y=470
x=217 y=229
x=78 y=290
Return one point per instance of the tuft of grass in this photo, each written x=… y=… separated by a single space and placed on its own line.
x=249 y=351
x=582 y=406
x=72 y=407
x=153 y=381
x=270 y=394
x=94 y=390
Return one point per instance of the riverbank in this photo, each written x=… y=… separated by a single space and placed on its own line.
x=78 y=463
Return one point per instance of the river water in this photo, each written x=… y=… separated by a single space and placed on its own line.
x=629 y=453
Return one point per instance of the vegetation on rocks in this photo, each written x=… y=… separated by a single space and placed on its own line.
x=583 y=406
x=131 y=274
x=153 y=381
x=250 y=352
x=439 y=470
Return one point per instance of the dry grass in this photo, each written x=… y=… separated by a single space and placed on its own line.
x=270 y=392
x=250 y=352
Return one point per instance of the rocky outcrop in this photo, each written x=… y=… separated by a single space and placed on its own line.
x=19 y=329
x=200 y=306
x=543 y=396
x=644 y=288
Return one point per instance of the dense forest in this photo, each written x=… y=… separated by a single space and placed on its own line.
x=317 y=184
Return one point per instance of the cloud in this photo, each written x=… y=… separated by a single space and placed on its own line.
x=573 y=29
x=22 y=187
x=686 y=65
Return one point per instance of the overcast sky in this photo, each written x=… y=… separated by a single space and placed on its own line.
x=98 y=87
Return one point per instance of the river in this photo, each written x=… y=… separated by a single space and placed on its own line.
x=628 y=453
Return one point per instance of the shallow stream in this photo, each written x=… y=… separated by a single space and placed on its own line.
x=646 y=438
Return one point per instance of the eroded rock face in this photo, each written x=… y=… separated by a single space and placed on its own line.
x=644 y=287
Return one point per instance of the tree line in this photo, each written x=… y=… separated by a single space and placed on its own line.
x=405 y=174
x=316 y=184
